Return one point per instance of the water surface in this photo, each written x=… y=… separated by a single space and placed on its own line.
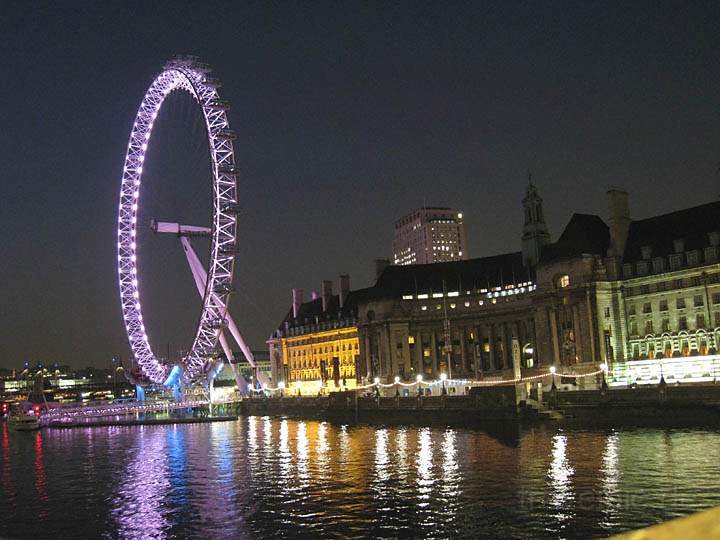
x=262 y=476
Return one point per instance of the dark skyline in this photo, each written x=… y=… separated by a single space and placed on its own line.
x=349 y=115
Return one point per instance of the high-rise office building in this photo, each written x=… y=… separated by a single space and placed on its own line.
x=430 y=235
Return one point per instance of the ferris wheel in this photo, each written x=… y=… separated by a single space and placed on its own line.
x=214 y=284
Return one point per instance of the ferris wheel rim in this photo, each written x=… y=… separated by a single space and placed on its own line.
x=190 y=76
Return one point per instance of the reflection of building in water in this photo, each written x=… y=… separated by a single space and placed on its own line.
x=610 y=473
x=450 y=484
x=560 y=474
x=382 y=458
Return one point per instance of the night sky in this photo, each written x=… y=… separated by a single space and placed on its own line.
x=349 y=115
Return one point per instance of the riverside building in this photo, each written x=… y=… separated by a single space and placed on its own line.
x=642 y=296
x=316 y=346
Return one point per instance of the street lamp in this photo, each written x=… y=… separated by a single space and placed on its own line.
x=419 y=384
x=553 y=369
x=662 y=376
x=603 y=385
x=281 y=386
x=443 y=378
x=376 y=380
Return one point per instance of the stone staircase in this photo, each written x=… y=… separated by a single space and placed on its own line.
x=544 y=412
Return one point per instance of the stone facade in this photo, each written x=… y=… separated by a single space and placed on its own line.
x=602 y=293
x=464 y=334
x=317 y=344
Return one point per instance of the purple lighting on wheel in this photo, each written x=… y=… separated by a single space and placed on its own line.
x=189 y=76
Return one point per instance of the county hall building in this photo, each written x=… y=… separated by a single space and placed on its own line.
x=639 y=295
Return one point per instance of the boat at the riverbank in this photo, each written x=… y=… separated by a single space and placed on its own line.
x=20 y=419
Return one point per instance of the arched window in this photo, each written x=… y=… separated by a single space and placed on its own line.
x=563 y=281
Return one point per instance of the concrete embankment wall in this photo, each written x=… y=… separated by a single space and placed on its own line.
x=661 y=404
x=485 y=405
x=657 y=405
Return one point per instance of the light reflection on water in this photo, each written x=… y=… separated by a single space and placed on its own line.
x=262 y=477
x=560 y=473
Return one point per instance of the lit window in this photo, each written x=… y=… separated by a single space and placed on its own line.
x=564 y=281
x=411 y=340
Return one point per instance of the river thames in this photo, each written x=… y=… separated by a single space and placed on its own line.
x=261 y=477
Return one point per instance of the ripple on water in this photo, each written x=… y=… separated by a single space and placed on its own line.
x=271 y=476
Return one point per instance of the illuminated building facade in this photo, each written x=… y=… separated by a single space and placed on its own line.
x=459 y=318
x=633 y=293
x=317 y=346
x=430 y=235
x=661 y=300
x=642 y=296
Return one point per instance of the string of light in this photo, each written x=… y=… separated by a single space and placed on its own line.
x=455 y=382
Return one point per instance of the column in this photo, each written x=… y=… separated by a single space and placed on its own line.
x=555 y=339
x=504 y=342
x=491 y=341
x=579 y=350
x=367 y=356
x=433 y=353
x=417 y=351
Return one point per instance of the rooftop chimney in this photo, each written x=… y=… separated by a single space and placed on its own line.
x=619 y=218
x=326 y=293
x=297 y=299
x=344 y=288
x=380 y=266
